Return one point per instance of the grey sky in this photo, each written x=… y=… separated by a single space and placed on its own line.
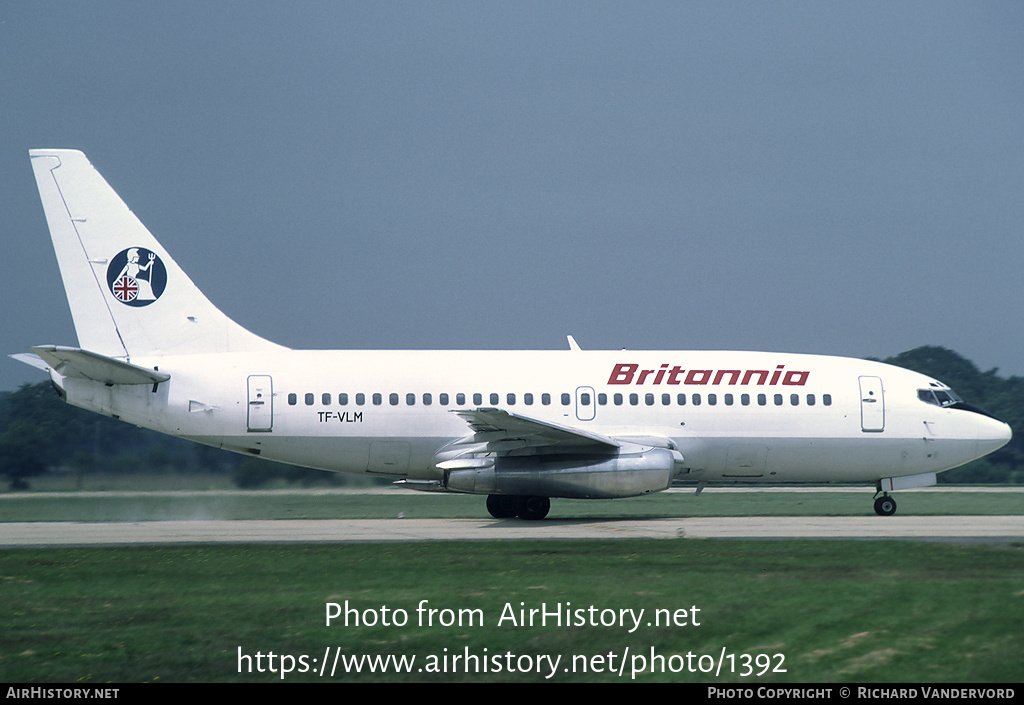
x=843 y=178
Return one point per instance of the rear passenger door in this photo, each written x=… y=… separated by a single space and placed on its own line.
x=261 y=404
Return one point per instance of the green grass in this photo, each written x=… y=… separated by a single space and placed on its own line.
x=838 y=611
x=269 y=505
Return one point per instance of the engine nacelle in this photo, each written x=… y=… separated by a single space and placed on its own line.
x=624 y=475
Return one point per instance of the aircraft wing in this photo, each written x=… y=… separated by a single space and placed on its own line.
x=509 y=454
x=504 y=431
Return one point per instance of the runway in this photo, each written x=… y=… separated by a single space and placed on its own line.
x=988 y=529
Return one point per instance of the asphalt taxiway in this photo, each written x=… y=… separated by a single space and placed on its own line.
x=962 y=528
x=996 y=529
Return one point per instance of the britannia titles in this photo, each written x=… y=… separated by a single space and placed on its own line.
x=629 y=373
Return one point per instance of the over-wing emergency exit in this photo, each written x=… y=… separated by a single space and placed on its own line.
x=520 y=427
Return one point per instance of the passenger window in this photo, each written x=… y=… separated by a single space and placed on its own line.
x=510 y=398
x=602 y=399
x=442 y=398
x=360 y=399
x=478 y=398
x=712 y=399
x=728 y=399
x=566 y=399
x=427 y=399
x=794 y=399
x=745 y=399
x=343 y=399
x=649 y=399
x=584 y=399
x=378 y=399
x=762 y=400
x=293 y=399
x=810 y=400
x=617 y=400
x=494 y=399
x=826 y=399
x=528 y=399
x=325 y=399
x=545 y=399
x=460 y=399
x=393 y=399
x=410 y=399
x=666 y=399
x=695 y=399
x=681 y=399
x=778 y=400
x=309 y=398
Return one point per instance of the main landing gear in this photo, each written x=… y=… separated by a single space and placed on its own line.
x=506 y=506
x=885 y=506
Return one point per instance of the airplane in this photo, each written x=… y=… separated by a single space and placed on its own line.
x=520 y=427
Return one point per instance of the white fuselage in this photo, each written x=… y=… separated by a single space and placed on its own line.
x=733 y=416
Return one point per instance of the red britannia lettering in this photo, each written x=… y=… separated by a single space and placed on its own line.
x=622 y=374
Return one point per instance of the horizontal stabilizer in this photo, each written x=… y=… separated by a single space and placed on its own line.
x=75 y=362
x=32 y=359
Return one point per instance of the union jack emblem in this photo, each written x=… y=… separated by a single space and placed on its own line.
x=136 y=277
x=125 y=289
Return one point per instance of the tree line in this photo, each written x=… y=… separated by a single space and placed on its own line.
x=41 y=434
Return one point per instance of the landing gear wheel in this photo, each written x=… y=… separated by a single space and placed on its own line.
x=885 y=506
x=534 y=508
x=502 y=506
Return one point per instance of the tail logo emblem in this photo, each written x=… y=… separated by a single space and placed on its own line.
x=136 y=277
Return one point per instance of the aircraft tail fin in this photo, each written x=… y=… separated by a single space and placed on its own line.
x=127 y=295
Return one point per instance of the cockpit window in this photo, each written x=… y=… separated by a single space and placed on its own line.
x=946 y=397
x=941 y=395
x=938 y=397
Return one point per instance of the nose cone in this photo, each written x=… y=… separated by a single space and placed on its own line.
x=993 y=435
